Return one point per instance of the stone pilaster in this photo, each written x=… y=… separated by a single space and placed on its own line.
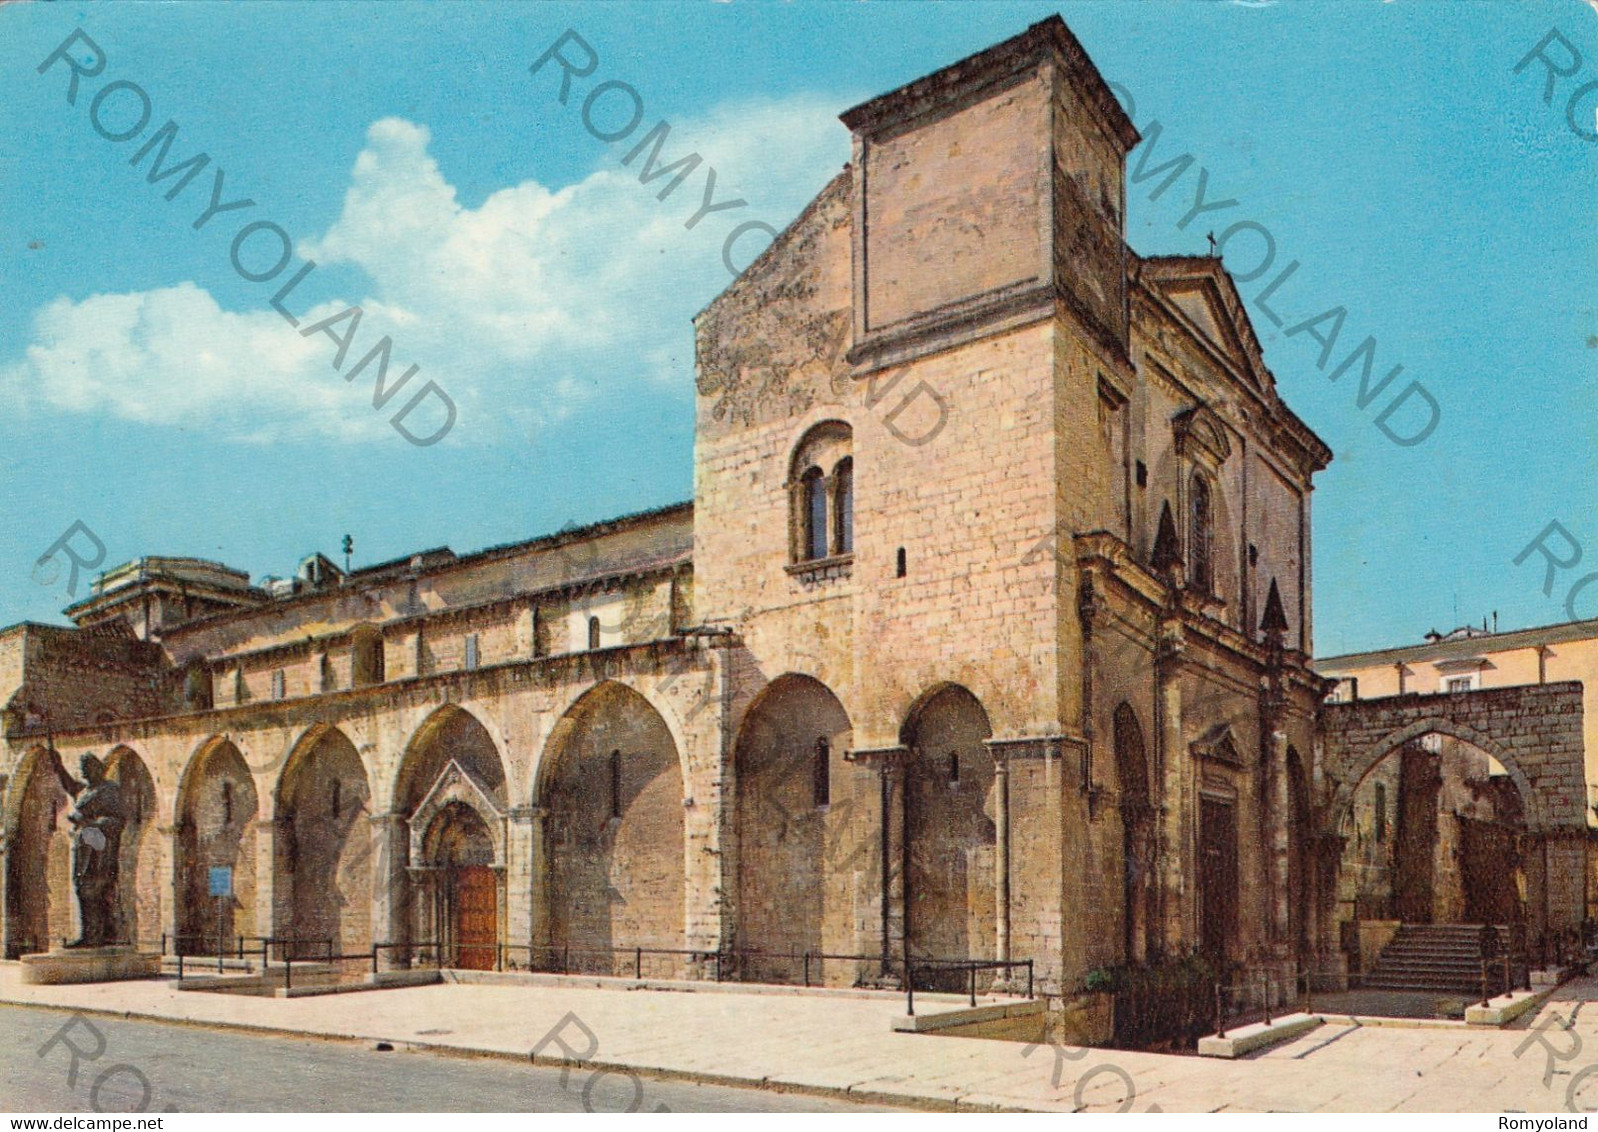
x=527 y=880
x=390 y=890
x=1178 y=800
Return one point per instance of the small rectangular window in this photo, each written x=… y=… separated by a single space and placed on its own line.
x=277 y=684
x=615 y=784
x=1458 y=684
x=471 y=652
x=821 y=774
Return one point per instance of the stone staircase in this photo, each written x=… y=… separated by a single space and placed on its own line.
x=1445 y=958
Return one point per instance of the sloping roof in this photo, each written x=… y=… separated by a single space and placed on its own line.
x=1463 y=648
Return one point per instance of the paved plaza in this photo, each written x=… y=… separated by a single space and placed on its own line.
x=837 y=1046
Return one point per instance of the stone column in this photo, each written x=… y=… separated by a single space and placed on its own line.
x=895 y=859
x=390 y=891
x=890 y=763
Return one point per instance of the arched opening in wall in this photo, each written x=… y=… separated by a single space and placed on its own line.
x=1200 y=541
x=1432 y=834
x=324 y=848
x=1140 y=926
x=452 y=768
x=614 y=836
x=139 y=888
x=460 y=856
x=38 y=862
x=217 y=807
x=366 y=656
x=950 y=835
x=821 y=485
x=197 y=690
x=796 y=858
x=843 y=506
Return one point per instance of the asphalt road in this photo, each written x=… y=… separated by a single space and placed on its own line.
x=126 y=1066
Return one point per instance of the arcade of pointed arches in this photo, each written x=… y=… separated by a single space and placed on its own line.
x=317 y=863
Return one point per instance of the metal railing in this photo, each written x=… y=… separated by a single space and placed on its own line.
x=242 y=946
x=558 y=959
x=969 y=966
x=1265 y=995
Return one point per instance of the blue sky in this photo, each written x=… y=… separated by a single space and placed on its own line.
x=156 y=397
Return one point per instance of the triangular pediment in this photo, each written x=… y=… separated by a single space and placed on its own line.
x=1201 y=308
x=1219 y=744
x=1207 y=302
x=457 y=784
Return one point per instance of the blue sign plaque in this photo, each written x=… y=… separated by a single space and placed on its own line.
x=221 y=880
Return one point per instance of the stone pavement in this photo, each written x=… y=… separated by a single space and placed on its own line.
x=832 y=1043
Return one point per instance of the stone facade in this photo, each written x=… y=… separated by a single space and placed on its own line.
x=986 y=636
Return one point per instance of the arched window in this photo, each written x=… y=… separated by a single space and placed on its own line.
x=366 y=657
x=813 y=488
x=1200 y=570
x=843 y=506
x=821 y=774
x=822 y=502
x=593 y=632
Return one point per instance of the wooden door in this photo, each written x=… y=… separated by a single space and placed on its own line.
x=476 y=917
x=1217 y=877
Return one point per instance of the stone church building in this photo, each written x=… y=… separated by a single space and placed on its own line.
x=985 y=636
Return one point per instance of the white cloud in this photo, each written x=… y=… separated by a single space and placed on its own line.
x=518 y=308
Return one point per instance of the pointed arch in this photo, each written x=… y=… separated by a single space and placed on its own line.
x=951 y=906
x=611 y=781
x=139 y=887
x=1362 y=764
x=323 y=846
x=451 y=733
x=794 y=796
x=38 y=878
x=216 y=819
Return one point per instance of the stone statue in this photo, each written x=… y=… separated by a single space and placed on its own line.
x=97 y=820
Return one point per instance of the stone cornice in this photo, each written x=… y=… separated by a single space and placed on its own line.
x=1107 y=564
x=976 y=76
x=883 y=757
x=1045 y=747
x=455 y=684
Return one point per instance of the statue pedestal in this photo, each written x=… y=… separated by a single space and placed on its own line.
x=90 y=965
